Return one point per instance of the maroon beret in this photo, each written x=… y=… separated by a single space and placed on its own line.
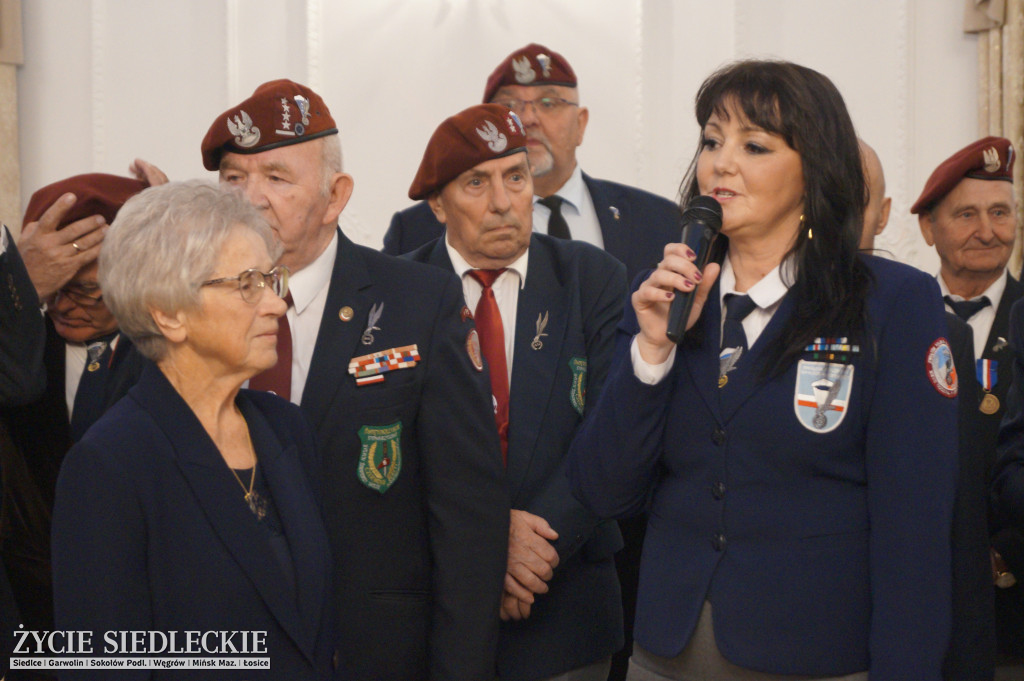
x=278 y=113
x=480 y=133
x=987 y=159
x=531 y=65
x=96 y=194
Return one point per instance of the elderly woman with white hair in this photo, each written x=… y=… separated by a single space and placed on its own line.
x=191 y=506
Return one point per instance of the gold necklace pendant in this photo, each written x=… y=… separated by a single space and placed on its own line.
x=257 y=504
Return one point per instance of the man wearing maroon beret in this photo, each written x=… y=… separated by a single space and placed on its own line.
x=541 y=87
x=968 y=213
x=384 y=361
x=84 y=364
x=546 y=311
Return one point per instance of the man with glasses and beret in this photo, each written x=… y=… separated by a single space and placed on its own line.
x=383 y=357
x=541 y=87
x=546 y=311
x=83 y=363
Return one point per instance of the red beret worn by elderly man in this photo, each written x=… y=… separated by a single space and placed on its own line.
x=968 y=212
x=546 y=310
x=542 y=88
x=87 y=364
x=381 y=359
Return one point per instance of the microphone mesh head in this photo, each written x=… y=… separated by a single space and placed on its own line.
x=705 y=209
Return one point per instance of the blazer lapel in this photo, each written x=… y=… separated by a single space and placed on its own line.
x=217 y=492
x=307 y=541
x=534 y=366
x=337 y=341
x=612 y=216
x=999 y=336
x=746 y=379
x=701 y=361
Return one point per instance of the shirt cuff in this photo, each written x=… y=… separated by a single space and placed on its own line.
x=651 y=374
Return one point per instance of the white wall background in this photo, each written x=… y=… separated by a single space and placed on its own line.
x=105 y=81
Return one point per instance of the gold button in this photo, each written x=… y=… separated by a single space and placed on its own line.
x=346 y=314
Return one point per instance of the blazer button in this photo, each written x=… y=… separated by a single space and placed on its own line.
x=718 y=436
x=718 y=542
x=718 y=490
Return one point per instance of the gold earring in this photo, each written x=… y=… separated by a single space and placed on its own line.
x=810 y=231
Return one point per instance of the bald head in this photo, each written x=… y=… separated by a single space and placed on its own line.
x=876 y=212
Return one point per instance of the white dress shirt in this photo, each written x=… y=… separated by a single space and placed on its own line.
x=577 y=209
x=506 y=292
x=982 y=320
x=309 y=288
x=766 y=294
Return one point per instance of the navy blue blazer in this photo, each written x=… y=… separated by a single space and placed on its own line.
x=22 y=379
x=35 y=434
x=580 y=290
x=151 y=532
x=421 y=561
x=635 y=224
x=822 y=552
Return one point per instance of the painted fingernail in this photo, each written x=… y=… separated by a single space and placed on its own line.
x=689 y=253
x=697 y=276
x=100 y=220
x=688 y=283
x=669 y=295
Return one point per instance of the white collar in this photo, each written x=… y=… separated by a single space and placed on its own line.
x=573 y=192
x=460 y=265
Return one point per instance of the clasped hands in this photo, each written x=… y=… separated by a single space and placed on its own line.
x=531 y=563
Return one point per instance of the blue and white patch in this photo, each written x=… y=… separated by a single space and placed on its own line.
x=941 y=370
x=822 y=393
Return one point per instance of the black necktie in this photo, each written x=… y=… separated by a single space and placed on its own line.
x=557 y=226
x=737 y=307
x=965 y=309
x=89 y=398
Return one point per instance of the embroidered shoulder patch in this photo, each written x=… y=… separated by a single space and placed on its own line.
x=940 y=368
x=380 y=459
x=578 y=393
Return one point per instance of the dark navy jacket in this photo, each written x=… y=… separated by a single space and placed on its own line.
x=420 y=564
x=151 y=532
x=580 y=290
x=821 y=552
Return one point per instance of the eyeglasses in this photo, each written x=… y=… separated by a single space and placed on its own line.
x=253 y=283
x=78 y=296
x=544 y=105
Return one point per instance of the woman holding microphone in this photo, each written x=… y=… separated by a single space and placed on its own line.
x=796 y=452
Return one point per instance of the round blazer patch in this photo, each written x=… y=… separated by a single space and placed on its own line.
x=822 y=394
x=941 y=370
x=473 y=349
x=380 y=458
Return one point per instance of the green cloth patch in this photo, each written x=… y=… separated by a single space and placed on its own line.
x=380 y=460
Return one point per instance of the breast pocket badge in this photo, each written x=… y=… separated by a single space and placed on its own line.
x=822 y=393
x=380 y=457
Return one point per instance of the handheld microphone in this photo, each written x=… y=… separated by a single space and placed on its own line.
x=701 y=221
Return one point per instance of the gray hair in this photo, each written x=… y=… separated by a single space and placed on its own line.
x=331 y=161
x=164 y=242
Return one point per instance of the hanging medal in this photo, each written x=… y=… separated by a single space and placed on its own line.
x=987 y=378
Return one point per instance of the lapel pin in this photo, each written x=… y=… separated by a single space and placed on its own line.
x=371 y=324
x=1000 y=344
x=542 y=323
x=345 y=314
x=615 y=212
